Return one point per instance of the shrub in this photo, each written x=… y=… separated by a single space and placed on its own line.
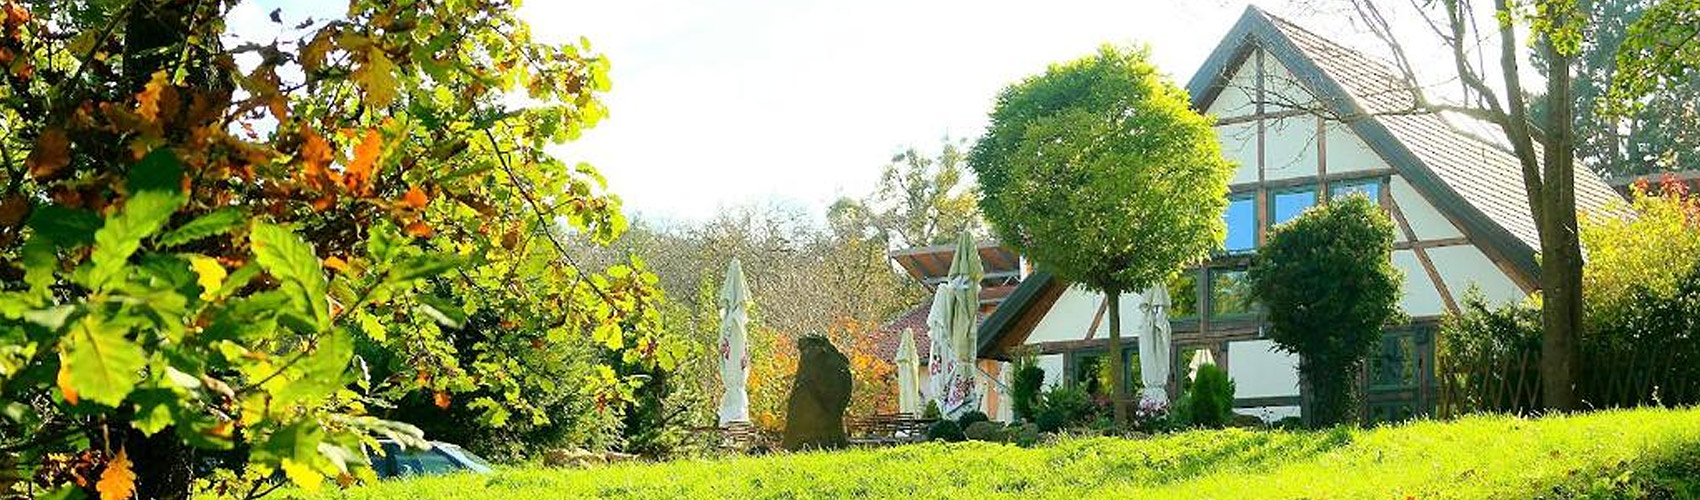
x=1025 y=389
x=971 y=416
x=1210 y=403
x=945 y=430
x=1329 y=285
x=932 y=412
x=1489 y=335
x=1065 y=406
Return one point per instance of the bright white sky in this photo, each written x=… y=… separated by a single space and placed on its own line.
x=802 y=101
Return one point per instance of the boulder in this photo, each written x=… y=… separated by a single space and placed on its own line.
x=986 y=431
x=814 y=416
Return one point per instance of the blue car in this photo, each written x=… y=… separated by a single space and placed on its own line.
x=396 y=460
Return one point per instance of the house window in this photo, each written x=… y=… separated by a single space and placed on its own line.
x=1286 y=205
x=1369 y=187
x=1183 y=296
x=1241 y=219
x=1230 y=293
x=1091 y=371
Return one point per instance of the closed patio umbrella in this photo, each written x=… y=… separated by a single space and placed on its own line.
x=1154 y=337
x=734 y=348
x=908 y=375
x=952 y=323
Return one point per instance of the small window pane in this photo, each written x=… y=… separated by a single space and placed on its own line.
x=1230 y=293
x=1371 y=188
x=1241 y=219
x=1183 y=296
x=1292 y=203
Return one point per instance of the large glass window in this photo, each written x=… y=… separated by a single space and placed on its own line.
x=1241 y=219
x=1092 y=371
x=1370 y=188
x=1289 y=204
x=1183 y=296
x=1230 y=293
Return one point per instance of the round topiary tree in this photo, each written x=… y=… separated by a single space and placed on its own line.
x=1328 y=282
x=1100 y=172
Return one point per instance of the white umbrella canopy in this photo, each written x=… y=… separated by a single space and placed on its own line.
x=951 y=324
x=734 y=347
x=965 y=274
x=1154 y=337
x=908 y=375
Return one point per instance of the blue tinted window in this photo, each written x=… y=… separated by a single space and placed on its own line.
x=1290 y=204
x=1241 y=219
x=1371 y=188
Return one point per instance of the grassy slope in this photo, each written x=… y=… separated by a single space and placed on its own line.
x=1481 y=457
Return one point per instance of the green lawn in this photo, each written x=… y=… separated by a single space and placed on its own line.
x=1627 y=454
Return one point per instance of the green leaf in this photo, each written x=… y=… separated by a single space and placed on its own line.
x=51 y=318
x=423 y=266
x=65 y=227
x=212 y=224
x=295 y=449
x=158 y=171
x=446 y=313
x=153 y=410
x=320 y=372
x=144 y=214
x=284 y=255
x=97 y=363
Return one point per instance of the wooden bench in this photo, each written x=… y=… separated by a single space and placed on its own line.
x=886 y=428
x=736 y=436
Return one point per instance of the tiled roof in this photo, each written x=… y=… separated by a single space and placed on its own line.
x=1485 y=174
x=890 y=335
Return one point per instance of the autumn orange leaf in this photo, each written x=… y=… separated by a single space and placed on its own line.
x=420 y=229
x=415 y=197
x=442 y=399
x=65 y=386
x=118 y=482
x=147 y=102
x=364 y=165
x=52 y=152
x=316 y=154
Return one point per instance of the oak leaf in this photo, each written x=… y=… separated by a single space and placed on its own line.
x=118 y=482
x=52 y=152
x=364 y=165
x=377 y=77
x=415 y=198
x=147 y=102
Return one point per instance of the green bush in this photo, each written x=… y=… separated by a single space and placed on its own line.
x=946 y=430
x=1065 y=406
x=968 y=418
x=1327 y=281
x=932 y=412
x=1210 y=402
x=1026 y=388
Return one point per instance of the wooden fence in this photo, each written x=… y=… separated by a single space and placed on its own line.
x=1510 y=381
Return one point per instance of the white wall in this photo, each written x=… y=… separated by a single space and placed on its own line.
x=1347 y=152
x=1465 y=265
x=1236 y=97
x=1426 y=221
x=1260 y=371
x=1419 y=297
x=1239 y=146
x=1053 y=366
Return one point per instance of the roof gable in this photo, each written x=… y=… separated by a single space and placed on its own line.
x=1478 y=182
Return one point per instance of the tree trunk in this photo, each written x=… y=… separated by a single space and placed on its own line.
x=1561 y=249
x=1118 y=382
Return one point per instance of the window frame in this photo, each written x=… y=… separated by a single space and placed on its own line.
x=1269 y=217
